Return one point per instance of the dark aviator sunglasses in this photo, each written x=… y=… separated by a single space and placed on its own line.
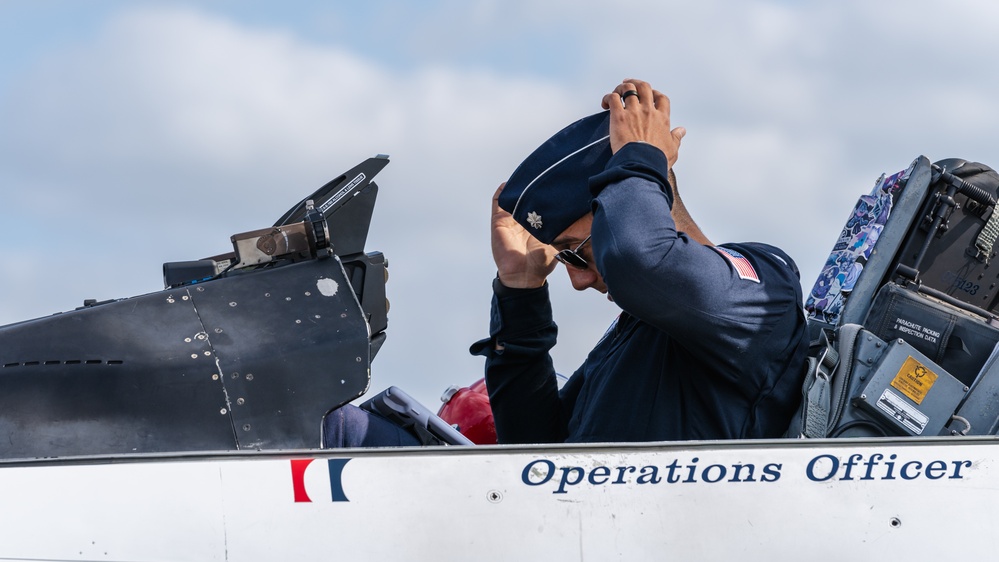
x=572 y=257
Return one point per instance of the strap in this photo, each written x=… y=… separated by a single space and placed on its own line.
x=846 y=336
x=827 y=383
x=818 y=398
x=987 y=237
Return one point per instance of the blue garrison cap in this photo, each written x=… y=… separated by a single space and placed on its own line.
x=550 y=189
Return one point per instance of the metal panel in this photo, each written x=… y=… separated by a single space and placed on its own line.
x=832 y=499
x=910 y=393
x=134 y=375
x=252 y=360
x=292 y=343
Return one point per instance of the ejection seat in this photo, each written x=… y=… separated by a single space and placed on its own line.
x=904 y=316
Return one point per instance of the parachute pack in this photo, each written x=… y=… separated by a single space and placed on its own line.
x=903 y=317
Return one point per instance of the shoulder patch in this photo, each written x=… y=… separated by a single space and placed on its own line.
x=740 y=263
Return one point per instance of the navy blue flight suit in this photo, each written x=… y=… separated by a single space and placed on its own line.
x=706 y=348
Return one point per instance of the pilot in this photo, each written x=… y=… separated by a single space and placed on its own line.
x=711 y=340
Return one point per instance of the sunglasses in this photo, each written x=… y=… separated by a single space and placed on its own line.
x=571 y=257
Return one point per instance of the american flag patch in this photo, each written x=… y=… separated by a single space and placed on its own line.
x=740 y=263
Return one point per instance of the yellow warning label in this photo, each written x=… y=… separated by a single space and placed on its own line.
x=914 y=380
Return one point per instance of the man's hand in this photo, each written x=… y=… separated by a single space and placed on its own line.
x=521 y=260
x=642 y=118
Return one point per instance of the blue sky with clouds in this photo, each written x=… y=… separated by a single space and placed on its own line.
x=133 y=133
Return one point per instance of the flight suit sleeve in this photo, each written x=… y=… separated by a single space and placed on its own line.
x=523 y=392
x=703 y=297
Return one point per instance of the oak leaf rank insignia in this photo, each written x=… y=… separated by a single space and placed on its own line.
x=534 y=219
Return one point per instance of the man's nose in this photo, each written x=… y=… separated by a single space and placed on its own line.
x=581 y=279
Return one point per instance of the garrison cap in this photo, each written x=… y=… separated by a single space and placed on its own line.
x=550 y=189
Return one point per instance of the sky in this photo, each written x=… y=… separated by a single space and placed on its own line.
x=141 y=132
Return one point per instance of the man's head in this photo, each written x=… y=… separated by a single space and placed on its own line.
x=549 y=193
